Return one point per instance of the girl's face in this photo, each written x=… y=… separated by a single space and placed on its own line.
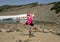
x=28 y=13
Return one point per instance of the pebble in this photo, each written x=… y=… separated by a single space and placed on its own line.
x=19 y=41
x=40 y=29
x=10 y=30
x=50 y=30
x=46 y=31
x=26 y=40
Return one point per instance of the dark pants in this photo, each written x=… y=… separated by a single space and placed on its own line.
x=31 y=24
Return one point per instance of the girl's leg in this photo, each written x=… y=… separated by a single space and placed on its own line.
x=31 y=32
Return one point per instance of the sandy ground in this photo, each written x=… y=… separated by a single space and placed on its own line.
x=24 y=37
x=17 y=36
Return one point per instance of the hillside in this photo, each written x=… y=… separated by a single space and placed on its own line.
x=44 y=11
x=6 y=8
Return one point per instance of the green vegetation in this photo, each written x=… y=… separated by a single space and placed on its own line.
x=5 y=8
x=56 y=6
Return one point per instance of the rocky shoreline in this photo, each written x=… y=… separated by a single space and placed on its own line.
x=43 y=30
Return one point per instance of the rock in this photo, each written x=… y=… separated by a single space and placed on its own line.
x=46 y=31
x=10 y=30
x=19 y=41
x=50 y=30
x=54 y=32
x=26 y=40
x=17 y=30
x=58 y=32
x=40 y=29
x=0 y=30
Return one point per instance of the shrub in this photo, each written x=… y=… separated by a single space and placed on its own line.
x=56 y=7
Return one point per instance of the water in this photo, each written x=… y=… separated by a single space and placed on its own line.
x=12 y=21
x=7 y=21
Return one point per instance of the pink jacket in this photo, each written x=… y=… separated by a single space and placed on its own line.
x=30 y=19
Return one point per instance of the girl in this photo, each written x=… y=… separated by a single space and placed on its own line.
x=30 y=22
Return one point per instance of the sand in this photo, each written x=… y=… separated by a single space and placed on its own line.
x=24 y=37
